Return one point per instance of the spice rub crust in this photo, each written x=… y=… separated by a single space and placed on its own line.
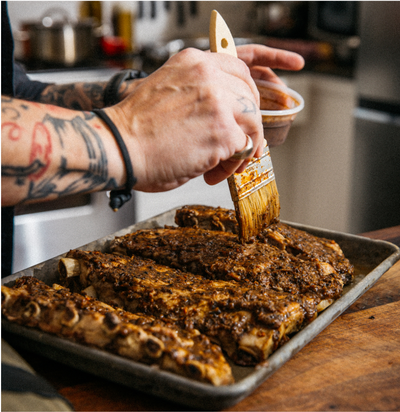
x=220 y=255
x=138 y=337
x=285 y=237
x=248 y=322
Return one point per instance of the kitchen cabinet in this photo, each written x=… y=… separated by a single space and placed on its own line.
x=312 y=167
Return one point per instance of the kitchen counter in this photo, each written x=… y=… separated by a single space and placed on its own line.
x=354 y=364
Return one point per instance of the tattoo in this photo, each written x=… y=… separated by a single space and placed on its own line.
x=6 y=99
x=21 y=172
x=67 y=179
x=89 y=115
x=95 y=92
x=94 y=145
x=41 y=149
x=11 y=130
x=248 y=105
x=77 y=96
x=11 y=111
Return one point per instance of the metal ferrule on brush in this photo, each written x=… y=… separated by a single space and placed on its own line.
x=258 y=173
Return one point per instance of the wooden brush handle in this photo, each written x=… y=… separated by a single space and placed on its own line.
x=221 y=40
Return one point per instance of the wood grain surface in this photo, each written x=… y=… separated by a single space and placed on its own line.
x=353 y=365
x=352 y=357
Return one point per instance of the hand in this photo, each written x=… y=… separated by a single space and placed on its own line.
x=188 y=118
x=262 y=59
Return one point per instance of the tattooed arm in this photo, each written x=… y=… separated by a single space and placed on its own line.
x=47 y=152
x=185 y=120
x=83 y=96
x=75 y=96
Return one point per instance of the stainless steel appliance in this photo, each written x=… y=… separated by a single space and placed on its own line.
x=376 y=159
x=62 y=42
x=336 y=22
x=330 y=20
x=48 y=229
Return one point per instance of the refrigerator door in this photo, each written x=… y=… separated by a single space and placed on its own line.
x=378 y=65
x=376 y=171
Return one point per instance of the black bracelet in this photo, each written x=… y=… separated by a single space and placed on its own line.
x=110 y=96
x=119 y=197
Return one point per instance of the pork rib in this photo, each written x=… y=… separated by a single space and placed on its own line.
x=296 y=242
x=207 y=217
x=220 y=255
x=308 y=247
x=142 y=338
x=249 y=323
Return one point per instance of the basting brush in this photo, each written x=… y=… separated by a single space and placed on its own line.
x=254 y=191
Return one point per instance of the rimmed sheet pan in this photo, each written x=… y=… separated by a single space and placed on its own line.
x=372 y=258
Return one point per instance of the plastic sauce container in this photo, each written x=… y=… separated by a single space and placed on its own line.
x=279 y=106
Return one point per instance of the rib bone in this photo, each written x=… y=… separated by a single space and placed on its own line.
x=248 y=322
x=139 y=337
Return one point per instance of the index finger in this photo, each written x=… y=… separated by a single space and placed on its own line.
x=260 y=55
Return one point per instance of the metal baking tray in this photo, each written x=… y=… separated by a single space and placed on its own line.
x=371 y=258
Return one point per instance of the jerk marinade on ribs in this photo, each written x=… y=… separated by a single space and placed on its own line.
x=248 y=322
x=220 y=255
x=296 y=242
x=139 y=337
x=164 y=295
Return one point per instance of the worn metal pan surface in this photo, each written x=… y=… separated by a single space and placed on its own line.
x=372 y=258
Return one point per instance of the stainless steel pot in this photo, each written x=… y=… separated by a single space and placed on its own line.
x=61 y=41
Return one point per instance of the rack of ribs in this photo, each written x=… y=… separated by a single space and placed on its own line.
x=296 y=242
x=141 y=338
x=248 y=322
x=220 y=255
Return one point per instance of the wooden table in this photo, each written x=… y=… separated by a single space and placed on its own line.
x=354 y=364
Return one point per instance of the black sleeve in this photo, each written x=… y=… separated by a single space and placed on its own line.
x=26 y=88
x=7 y=51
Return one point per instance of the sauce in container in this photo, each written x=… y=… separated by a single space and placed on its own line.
x=279 y=106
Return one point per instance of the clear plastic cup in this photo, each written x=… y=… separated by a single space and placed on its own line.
x=279 y=106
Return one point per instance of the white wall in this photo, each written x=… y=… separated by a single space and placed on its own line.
x=21 y=11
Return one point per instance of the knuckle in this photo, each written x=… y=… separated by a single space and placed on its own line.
x=190 y=54
x=205 y=70
x=245 y=68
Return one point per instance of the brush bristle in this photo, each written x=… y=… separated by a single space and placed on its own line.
x=259 y=209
